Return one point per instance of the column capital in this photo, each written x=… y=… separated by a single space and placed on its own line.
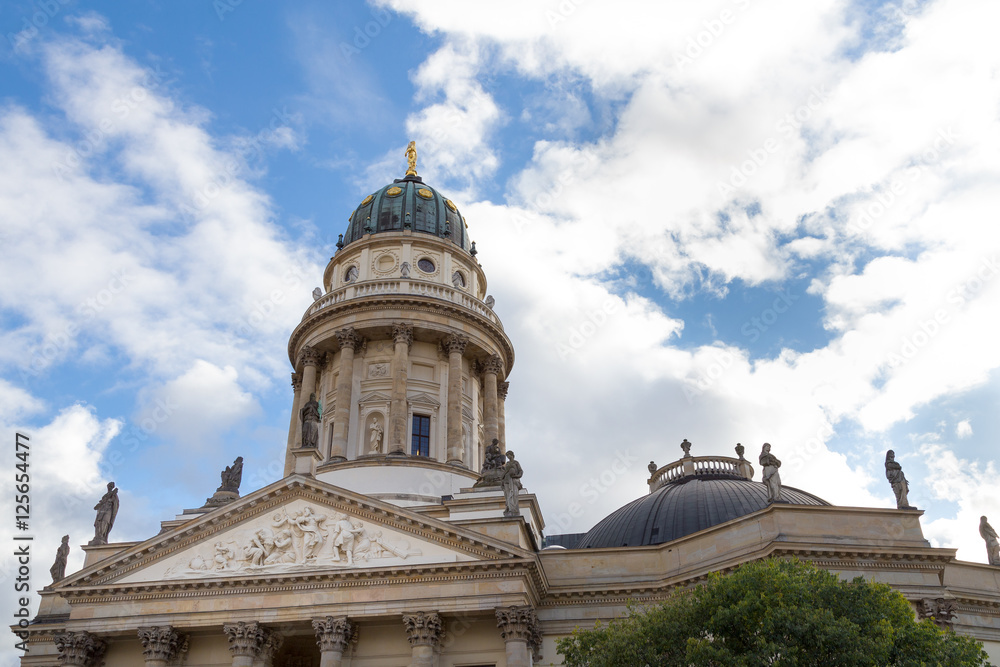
x=251 y=639
x=161 y=642
x=296 y=382
x=424 y=628
x=335 y=634
x=502 y=388
x=310 y=356
x=402 y=333
x=517 y=623
x=455 y=343
x=494 y=364
x=348 y=337
x=80 y=648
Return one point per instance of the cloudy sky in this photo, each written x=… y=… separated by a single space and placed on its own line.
x=735 y=221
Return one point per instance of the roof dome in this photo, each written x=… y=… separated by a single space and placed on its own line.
x=408 y=203
x=685 y=505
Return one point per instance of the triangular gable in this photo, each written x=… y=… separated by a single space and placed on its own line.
x=423 y=399
x=374 y=397
x=297 y=525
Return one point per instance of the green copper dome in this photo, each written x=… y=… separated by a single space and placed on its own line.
x=408 y=203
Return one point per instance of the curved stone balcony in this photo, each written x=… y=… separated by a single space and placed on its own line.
x=412 y=286
x=700 y=466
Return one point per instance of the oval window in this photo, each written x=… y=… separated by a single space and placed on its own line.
x=425 y=265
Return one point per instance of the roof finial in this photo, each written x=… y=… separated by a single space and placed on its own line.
x=411 y=159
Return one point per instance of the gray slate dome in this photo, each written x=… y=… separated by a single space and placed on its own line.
x=684 y=506
x=408 y=203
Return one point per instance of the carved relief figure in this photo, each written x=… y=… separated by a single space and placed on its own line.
x=900 y=487
x=309 y=523
x=769 y=473
x=992 y=543
x=58 y=569
x=107 y=510
x=310 y=422
x=376 y=437
x=224 y=555
x=346 y=532
x=511 y=485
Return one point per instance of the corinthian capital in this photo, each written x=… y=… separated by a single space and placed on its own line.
x=349 y=338
x=310 y=356
x=424 y=628
x=296 y=381
x=402 y=333
x=81 y=649
x=502 y=388
x=161 y=642
x=493 y=365
x=456 y=343
x=251 y=639
x=518 y=623
x=335 y=634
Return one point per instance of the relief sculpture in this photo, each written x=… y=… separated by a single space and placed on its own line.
x=293 y=539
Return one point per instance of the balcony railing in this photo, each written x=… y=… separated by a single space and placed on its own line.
x=691 y=466
x=404 y=286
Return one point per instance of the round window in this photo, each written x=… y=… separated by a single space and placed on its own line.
x=386 y=263
x=351 y=275
x=425 y=265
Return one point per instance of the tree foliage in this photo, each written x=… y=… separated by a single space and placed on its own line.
x=774 y=612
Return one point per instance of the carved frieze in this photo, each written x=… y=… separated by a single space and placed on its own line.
x=380 y=370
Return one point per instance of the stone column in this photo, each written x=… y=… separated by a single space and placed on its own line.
x=425 y=631
x=251 y=644
x=161 y=645
x=455 y=345
x=502 y=388
x=491 y=370
x=519 y=630
x=349 y=341
x=295 y=424
x=402 y=336
x=80 y=649
x=334 y=636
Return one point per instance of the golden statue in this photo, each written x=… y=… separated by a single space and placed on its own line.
x=411 y=159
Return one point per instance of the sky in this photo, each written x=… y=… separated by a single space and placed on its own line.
x=733 y=221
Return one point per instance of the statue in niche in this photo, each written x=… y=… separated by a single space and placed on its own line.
x=310 y=422
x=900 y=487
x=992 y=543
x=58 y=569
x=352 y=274
x=686 y=446
x=376 y=437
x=232 y=476
x=511 y=485
x=457 y=280
x=404 y=270
x=107 y=510
x=769 y=473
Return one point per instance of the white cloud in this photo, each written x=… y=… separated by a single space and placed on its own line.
x=963 y=429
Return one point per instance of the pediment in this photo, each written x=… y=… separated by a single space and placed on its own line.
x=375 y=397
x=422 y=398
x=293 y=527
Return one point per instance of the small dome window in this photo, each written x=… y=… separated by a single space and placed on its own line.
x=426 y=265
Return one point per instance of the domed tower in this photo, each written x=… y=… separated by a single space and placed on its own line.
x=405 y=358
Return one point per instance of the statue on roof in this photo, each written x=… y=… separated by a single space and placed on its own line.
x=411 y=159
x=686 y=446
x=310 y=422
x=107 y=510
x=232 y=476
x=992 y=543
x=511 y=485
x=58 y=569
x=769 y=473
x=900 y=487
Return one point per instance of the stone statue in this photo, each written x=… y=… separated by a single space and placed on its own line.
x=232 y=476
x=651 y=467
x=686 y=446
x=310 y=422
x=490 y=302
x=769 y=473
x=376 y=437
x=107 y=510
x=894 y=473
x=404 y=270
x=511 y=485
x=992 y=543
x=492 y=471
x=739 y=450
x=457 y=280
x=58 y=569
x=317 y=294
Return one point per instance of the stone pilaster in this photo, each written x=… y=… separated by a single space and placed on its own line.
x=492 y=369
x=334 y=636
x=161 y=644
x=251 y=644
x=349 y=341
x=425 y=632
x=502 y=388
x=295 y=424
x=402 y=336
x=80 y=649
x=519 y=630
x=455 y=345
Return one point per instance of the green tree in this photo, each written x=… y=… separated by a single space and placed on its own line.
x=774 y=612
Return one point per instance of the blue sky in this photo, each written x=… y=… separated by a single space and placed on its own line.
x=731 y=221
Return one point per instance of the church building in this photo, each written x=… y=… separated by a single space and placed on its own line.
x=400 y=534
